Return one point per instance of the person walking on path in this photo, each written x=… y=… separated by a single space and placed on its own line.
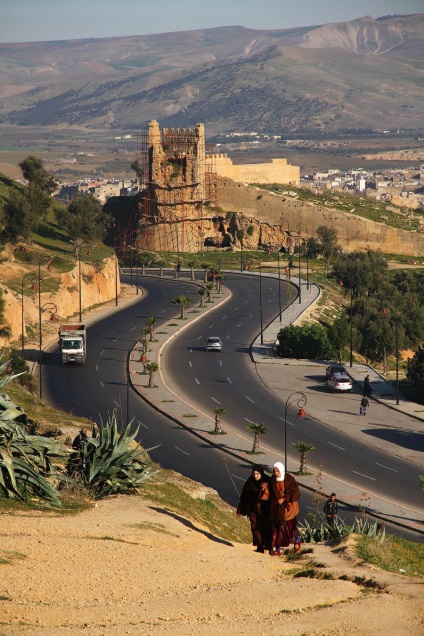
x=254 y=504
x=367 y=386
x=284 y=495
x=330 y=509
x=364 y=405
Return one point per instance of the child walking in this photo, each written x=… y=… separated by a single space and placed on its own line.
x=364 y=406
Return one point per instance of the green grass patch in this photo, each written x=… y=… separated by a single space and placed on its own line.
x=8 y=556
x=211 y=512
x=394 y=554
x=156 y=527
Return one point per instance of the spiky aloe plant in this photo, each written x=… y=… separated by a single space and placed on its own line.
x=24 y=460
x=111 y=463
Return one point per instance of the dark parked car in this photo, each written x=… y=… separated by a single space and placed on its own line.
x=335 y=369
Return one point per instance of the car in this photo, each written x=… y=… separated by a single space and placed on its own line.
x=340 y=382
x=213 y=343
x=335 y=369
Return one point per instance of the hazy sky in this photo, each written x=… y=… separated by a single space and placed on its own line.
x=41 y=20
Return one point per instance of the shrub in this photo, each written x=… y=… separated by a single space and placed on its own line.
x=305 y=341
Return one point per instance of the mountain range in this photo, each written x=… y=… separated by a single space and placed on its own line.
x=362 y=75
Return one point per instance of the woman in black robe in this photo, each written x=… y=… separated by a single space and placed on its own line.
x=254 y=505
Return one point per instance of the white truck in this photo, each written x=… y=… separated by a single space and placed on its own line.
x=73 y=343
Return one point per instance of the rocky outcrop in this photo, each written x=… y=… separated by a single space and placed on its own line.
x=98 y=285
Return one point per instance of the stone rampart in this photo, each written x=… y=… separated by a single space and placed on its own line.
x=277 y=171
x=279 y=214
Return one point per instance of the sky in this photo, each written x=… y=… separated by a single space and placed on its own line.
x=42 y=20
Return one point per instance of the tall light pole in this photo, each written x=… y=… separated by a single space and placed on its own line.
x=260 y=303
x=32 y=277
x=351 y=323
x=51 y=307
x=300 y=280
x=302 y=227
x=299 y=398
x=396 y=320
x=279 y=282
x=116 y=277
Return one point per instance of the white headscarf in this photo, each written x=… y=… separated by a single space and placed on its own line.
x=280 y=467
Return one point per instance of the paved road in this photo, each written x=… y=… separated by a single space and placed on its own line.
x=277 y=374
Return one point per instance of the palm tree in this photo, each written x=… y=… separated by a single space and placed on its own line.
x=219 y=412
x=183 y=301
x=151 y=368
x=303 y=449
x=144 y=346
x=191 y=263
x=202 y=291
x=150 y=321
x=209 y=288
x=206 y=267
x=219 y=280
x=257 y=429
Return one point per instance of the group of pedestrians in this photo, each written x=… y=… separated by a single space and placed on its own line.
x=271 y=504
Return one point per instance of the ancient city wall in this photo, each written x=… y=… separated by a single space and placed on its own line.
x=277 y=171
x=279 y=214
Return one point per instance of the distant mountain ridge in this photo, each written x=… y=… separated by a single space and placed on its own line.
x=356 y=75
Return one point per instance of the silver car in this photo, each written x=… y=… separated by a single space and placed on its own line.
x=213 y=344
x=340 y=382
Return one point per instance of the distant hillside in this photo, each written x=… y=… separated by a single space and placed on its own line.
x=360 y=75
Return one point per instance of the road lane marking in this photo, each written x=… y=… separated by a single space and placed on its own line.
x=247 y=420
x=237 y=477
x=228 y=337
x=235 y=309
x=250 y=399
x=211 y=327
x=224 y=317
x=197 y=380
x=144 y=425
x=200 y=338
x=362 y=475
x=215 y=400
x=229 y=380
x=288 y=421
x=115 y=339
x=383 y=466
x=133 y=328
x=102 y=385
x=163 y=311
x=181 y=451
x=102 y=352
x=239 y=325
x=189 y=363
x=331 y=444
x=97 y=367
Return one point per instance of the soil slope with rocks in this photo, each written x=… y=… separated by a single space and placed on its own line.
x=126 y=566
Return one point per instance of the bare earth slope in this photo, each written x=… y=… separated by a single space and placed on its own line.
x=128 y=567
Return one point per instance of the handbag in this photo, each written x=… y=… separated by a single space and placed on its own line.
x=291 y=510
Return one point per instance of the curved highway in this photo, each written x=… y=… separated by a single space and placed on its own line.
x=208 y=380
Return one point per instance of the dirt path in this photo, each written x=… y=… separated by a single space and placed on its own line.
x=128 y=567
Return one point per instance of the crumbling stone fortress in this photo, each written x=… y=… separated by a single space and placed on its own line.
x=191 y=200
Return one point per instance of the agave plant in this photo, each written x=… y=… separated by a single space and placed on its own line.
x=24 y=461
x=110 y=463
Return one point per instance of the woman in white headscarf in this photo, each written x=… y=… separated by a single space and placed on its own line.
x=284 y=494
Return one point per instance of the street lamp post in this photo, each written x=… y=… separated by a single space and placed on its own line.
x=302 y=227
x=30 y=276
x=299 y=398
x=351 y=323
x=79 y=247
x=396 y=319
x=300 y=280
x=260 y=303
x=53 y=310
x=279 y=282
x=116 y=278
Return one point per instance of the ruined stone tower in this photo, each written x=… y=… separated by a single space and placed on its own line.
x=176 y=191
